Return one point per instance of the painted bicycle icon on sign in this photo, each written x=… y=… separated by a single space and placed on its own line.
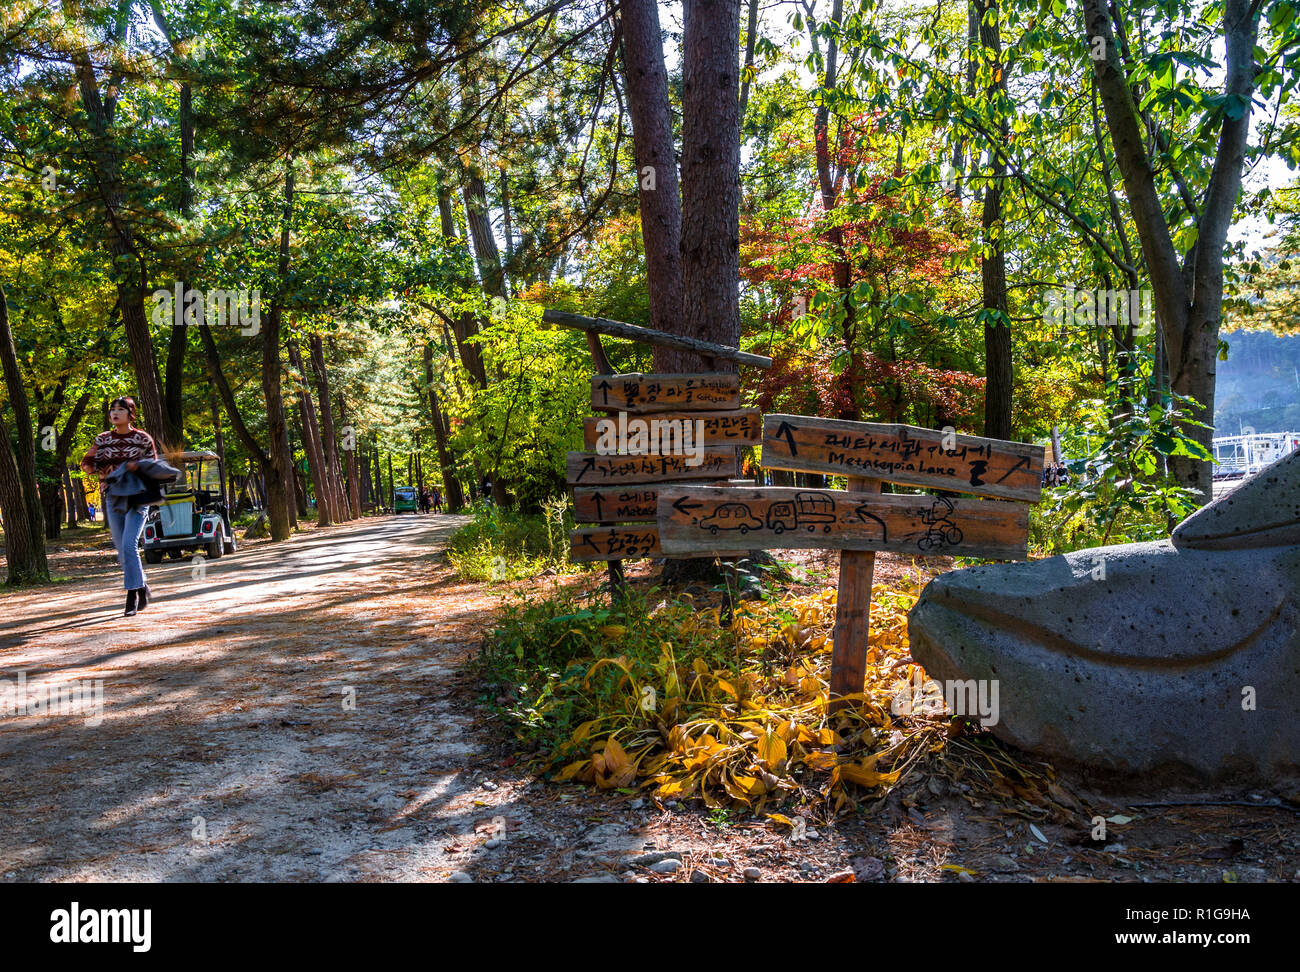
x=941 y=532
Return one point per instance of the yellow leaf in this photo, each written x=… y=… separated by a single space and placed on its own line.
x=821 y=761
x=615 y=758
x=780 y=818
x=771 y=749
x=727 y=687
x=573 y=769
x=863 y=777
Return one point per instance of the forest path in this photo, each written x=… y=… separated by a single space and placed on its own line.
x=287 y=716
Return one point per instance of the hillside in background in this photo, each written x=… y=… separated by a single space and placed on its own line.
x=1259 y=384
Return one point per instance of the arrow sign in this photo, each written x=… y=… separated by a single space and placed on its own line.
x=665 y=393
x=588 y=470
x=684 y=507
x=705 y=519
x=787 y=430
x=741 y=427
x=904 y=454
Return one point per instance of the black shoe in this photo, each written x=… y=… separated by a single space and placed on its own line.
x=143 y=597
x=130 y=604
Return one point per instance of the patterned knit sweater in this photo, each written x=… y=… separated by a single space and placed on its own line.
x=111 y=449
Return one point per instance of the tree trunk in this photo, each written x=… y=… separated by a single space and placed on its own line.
x=20 y=501
x=311 y=441
x=279 y=485
x=993 y=269
x=354 y=480
x=329 y=441
x=710 y=240
x=751 y=35
x=1188 y=292
x=711 y=173
x=486 y=253
x=656 y=173
x=449 y=481
x=132 y=274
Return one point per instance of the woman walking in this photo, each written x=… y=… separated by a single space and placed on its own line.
x=123 y=445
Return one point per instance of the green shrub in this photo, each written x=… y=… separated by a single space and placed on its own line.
x=502 y=545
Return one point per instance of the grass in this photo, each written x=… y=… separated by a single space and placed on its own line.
x=505 y=545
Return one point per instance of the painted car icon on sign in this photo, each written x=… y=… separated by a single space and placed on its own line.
x=731 y=516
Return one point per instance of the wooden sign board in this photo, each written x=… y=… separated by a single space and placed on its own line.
x=586 y=469
x=625 y=504
x=904 y=454
x=665 y=393
x=620 y=543
x=743 y=427
x=615 y=504
x=698 y=519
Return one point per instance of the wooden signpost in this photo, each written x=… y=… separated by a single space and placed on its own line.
x=904 y=454
x=655 y=429
x=649 y=478
x=591 y=469
x=695 y=519
x=861 y=520
x=643 y=394
x=741 y=427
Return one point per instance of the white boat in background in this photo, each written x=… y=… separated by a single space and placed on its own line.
x=1239 y=456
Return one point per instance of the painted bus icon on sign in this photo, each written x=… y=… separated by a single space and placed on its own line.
x=805 y=510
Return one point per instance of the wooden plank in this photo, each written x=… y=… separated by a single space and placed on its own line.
x=904 y=454
x=623 y=543
x=700 y=517
x=643 y=394
x=614 y=543
x=587 y=469
x=615 y=504
x=742 y=427
x=648 y=335
x=852 y=633
x=625 y=504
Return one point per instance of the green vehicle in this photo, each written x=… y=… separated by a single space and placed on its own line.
x=406 y=499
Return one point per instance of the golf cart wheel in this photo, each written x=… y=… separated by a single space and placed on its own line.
x=153 y=556
x=228 y=546
x=215 y=549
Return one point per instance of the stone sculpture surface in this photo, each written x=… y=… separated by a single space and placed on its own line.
x=1178 y=657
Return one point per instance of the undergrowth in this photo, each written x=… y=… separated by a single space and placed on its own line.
x=504 y=545
x=659 y=694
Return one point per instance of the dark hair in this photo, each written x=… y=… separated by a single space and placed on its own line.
x=126 y=402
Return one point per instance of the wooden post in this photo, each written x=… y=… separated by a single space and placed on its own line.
x=852 y=614
x=603 y=367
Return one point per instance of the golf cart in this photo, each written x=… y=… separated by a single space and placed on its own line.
x=191 y=516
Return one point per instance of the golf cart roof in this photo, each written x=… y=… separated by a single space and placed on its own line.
x=196 y=456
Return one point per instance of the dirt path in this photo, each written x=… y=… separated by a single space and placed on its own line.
x=282 y=718
x=300 y=713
